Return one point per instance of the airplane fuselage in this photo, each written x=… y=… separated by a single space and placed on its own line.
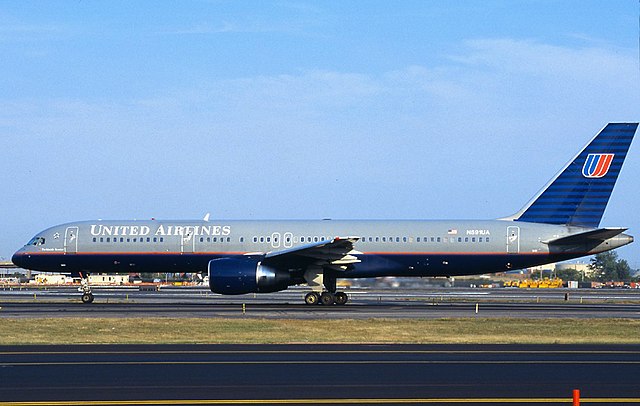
x=385 y=248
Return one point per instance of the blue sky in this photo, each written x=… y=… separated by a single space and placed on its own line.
x=301 y=109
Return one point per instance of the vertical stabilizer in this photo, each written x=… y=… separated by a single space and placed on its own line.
x=579 y=193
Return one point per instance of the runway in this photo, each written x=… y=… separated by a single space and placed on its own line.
x=423 y=304
x=317 y=374
x=288 y=311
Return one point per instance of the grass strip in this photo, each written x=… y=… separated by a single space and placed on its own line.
x=269 y=331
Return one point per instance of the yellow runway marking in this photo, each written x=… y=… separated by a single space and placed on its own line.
x=317 y=401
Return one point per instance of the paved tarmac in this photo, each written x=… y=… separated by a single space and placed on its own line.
x=364 y=304
x=297 y=311
x=318 y=374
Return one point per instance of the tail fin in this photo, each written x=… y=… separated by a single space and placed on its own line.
x=579 y=193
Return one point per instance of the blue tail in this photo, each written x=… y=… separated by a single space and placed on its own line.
x=579 y=193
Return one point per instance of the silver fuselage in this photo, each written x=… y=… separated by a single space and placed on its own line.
x=385 y=247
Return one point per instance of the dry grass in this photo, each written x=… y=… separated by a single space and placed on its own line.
x=207 y=330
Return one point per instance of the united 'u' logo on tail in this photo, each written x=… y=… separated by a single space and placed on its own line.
x=597 y=165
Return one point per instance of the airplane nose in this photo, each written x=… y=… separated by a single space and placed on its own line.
x=19 y=260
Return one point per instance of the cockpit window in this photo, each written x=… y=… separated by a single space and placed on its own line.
x=36 y=241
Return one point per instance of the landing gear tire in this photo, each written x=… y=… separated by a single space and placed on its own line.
x=341 y=298
x=327 y=298
x=312 y=298
x=87 y=296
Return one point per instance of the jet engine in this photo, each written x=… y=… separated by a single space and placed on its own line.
x=236 y=276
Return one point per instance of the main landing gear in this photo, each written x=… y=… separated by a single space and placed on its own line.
x=326 y=298
x=87 y=296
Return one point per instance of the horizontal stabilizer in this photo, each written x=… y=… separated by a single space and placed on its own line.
x=590 y=236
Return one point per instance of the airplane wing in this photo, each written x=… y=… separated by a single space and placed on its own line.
x=591 y=236
x=336 y=254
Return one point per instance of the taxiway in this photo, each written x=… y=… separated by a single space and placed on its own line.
x=364 y=304
x=317 y=374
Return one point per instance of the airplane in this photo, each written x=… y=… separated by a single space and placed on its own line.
x=559 y=223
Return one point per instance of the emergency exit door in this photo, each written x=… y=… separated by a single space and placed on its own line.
x=513 y=240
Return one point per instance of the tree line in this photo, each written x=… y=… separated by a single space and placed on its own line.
x=605 y=267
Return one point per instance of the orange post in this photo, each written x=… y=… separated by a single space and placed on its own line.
x=576 y=397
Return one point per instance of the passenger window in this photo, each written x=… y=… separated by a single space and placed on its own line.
x=255 y=239
x=241 y=239
x=466 y=239
x=384 y=239
x=438 y=239
x=473 y=239
x=94 y=239
x=404 y=239
x=487 y=239
x=418 y=239
x=459 y=239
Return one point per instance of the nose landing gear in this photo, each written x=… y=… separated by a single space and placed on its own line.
x=87 y=296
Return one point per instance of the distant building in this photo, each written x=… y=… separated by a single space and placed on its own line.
x=547 y=270
x=106 y=279
x=52 y=279
x=580 y=267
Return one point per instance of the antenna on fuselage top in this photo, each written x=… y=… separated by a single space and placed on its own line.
x=206 y=217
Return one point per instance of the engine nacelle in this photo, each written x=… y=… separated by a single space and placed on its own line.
x=236 y=276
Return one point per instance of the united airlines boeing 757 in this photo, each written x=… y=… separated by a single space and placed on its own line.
x=561 y=222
